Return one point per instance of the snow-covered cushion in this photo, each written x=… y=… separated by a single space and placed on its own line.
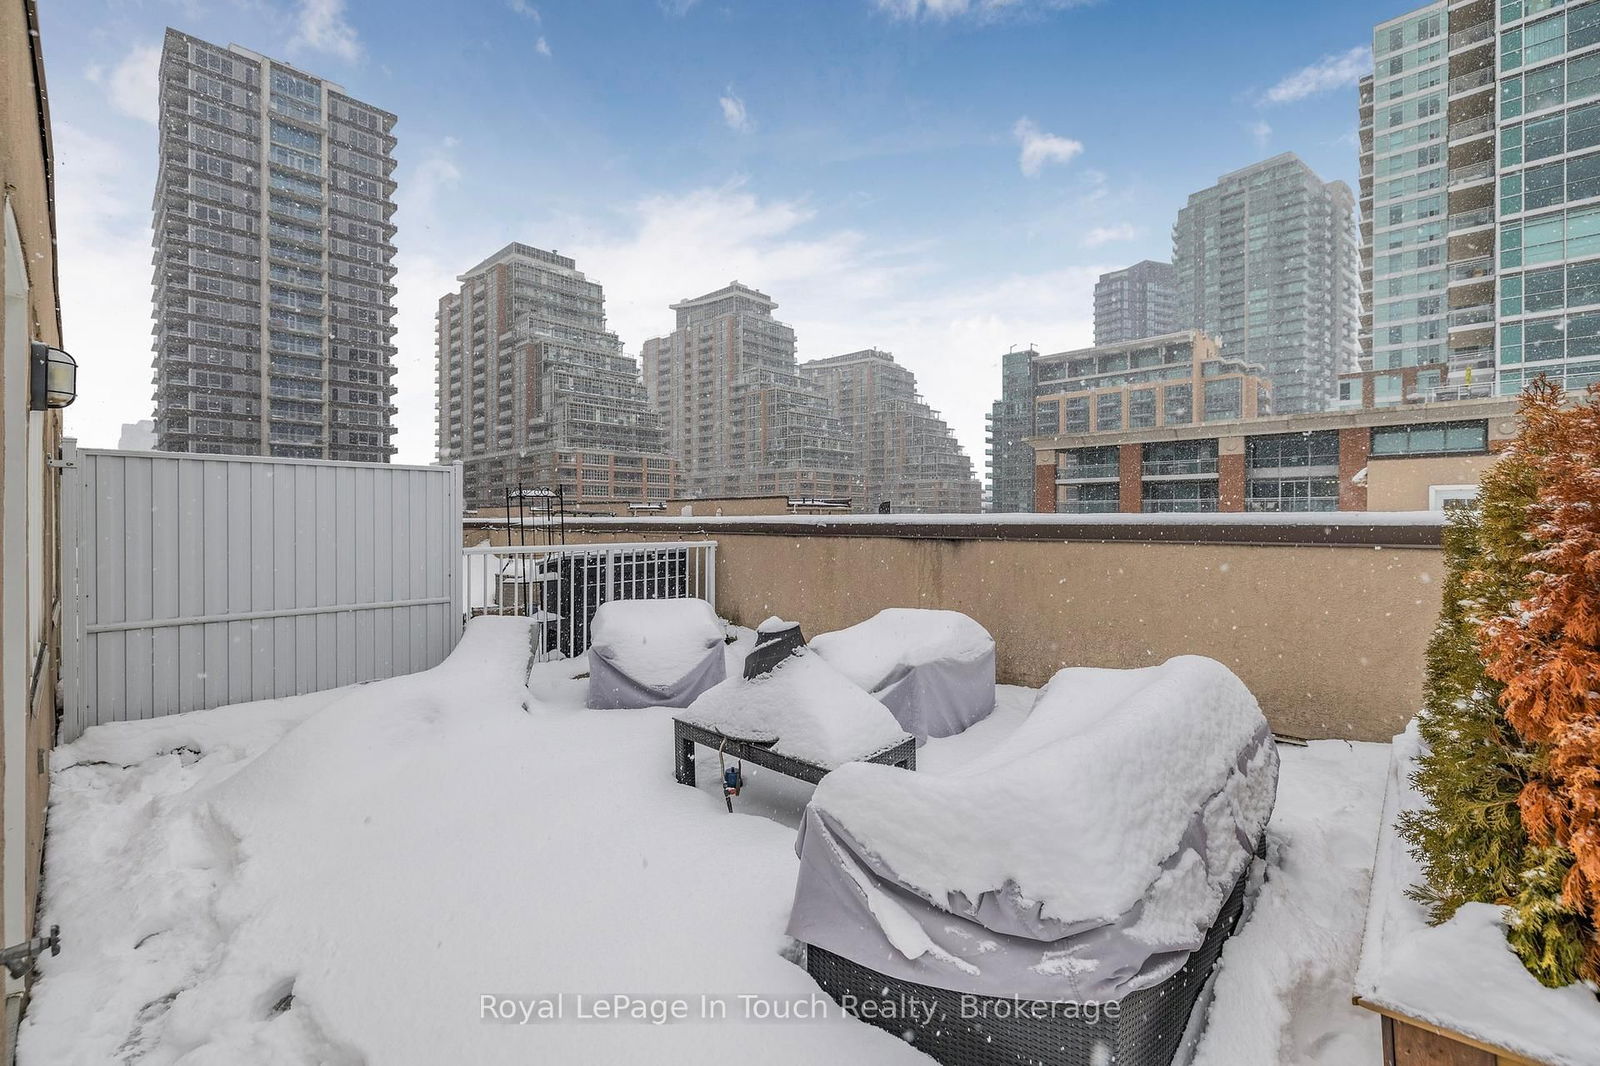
x=1083 y=858
x=934 y=670
x=804 y=708
x=654 y=653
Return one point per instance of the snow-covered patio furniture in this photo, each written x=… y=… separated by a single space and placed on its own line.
x=934 y=670
x=1063 y=897
x=803 y=719
x=654 y=653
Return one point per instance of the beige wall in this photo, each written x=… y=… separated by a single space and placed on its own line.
x=1402 y=484
x=1329 y=637
x=24 y=170
x=710 y=506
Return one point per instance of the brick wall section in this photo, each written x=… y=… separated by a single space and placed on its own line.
x=1044 y=485
x=1354 y=446
x=1130 y=472
x=1230 y=481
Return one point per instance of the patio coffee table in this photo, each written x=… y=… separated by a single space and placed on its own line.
x=686 y=735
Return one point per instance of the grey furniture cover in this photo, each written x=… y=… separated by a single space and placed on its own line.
x=654 y=653
x=934 y=670
x=1080 y=860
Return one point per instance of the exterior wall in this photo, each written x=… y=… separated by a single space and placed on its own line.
x=1329 y=636
x=1130 y=478
x=1044 y=484
x=1057 y=384
x=1354 y=447
x=742 y=506
x=1230 y=474
x=1402 y=481
x=29 y=580
x=205 y=580
x=1402 y=484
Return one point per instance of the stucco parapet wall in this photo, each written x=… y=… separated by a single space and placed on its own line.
x=1392 y=529
x=1493 y=410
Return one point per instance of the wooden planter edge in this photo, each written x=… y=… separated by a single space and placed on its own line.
x=1504 y=1056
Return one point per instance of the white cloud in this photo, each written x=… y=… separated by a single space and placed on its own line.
x=1261 y=132
x=678 y=8
x=104 y=239
x=132 y=85
x=431 y=252
x=1122 y=231
x=734 y=112
x=542 y=46
x=525 y=9
x=981 y=10
x=320 y=26
x=1329 y=73
x=1039 y=147
x=840 y=289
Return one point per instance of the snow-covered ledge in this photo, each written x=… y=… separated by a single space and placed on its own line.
x=1455 y=992
x=1389 y=529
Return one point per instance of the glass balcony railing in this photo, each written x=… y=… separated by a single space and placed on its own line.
x=1471 y=316
x=1087 y=471
x=1471 y=35
x=1471 y=127
x=1177 y=467
x=1473 y=80
x=1462 y=220
x=1472 y=269
x=1470 y=174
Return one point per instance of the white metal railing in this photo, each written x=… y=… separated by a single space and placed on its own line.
x=561 y=586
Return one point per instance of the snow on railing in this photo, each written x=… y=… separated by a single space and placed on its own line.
x=561 y=586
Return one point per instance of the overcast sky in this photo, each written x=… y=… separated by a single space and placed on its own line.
x=939 y=178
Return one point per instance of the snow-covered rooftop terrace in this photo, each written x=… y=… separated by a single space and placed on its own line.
x=344 y=877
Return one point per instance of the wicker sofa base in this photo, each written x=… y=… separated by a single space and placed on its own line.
x=686 y=736
x=1145 y=1029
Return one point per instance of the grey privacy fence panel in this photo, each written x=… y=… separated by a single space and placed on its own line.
x=196 y=581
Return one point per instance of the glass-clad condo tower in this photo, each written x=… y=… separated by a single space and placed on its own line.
x=1548 y=314
x=1480 y=199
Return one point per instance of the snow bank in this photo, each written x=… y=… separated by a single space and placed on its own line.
x=812 y=711
x=1083 y=806
x=450 y=843
x=347 y=893
x=1283 y=985
x=1461 y=975
x=933 y=669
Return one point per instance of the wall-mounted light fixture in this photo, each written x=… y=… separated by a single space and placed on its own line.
x=53 y=377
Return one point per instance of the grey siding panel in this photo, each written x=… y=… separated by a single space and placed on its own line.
x=196 y=581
